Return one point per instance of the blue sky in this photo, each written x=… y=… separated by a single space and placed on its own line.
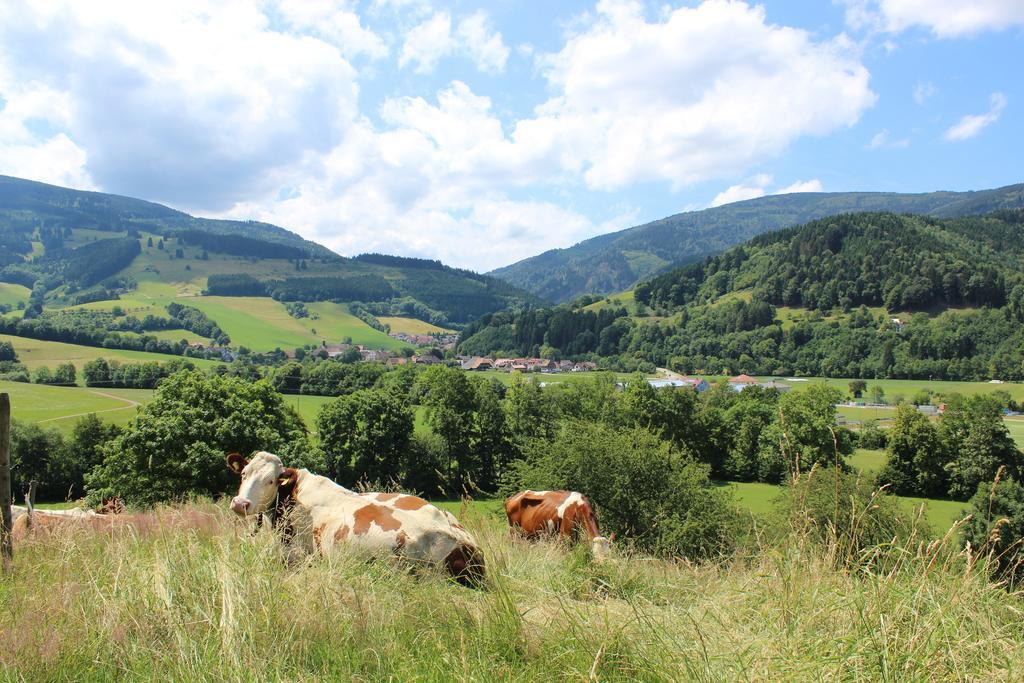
x=483 y=133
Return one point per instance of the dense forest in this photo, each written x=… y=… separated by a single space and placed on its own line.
x=797 y=302
x=616 y=261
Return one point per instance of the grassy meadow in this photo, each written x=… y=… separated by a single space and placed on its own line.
x=195 y=596
x=411 y=325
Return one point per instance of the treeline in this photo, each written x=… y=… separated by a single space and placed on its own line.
x=194 y=320
x=901 y=262
x=95 y=261
x=92 y=328
x=556 y=333
x=241 y=284
x=100 y=372
x=237 y=245
x=366 y=287
x=399 y=261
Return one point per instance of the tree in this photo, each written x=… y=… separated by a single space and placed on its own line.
x=175 y=445
x=37 y=454
x=981 y=444
x=857 y=387
x=365 y=436
x=996 y=527
x=526 y=407
x=917 y=456
x=491 y=445
x=877 y=395
x=42 y=375
x=84 y=452
x=65 y=374
x=450 y=401
x=805 y=434
x=7 y=351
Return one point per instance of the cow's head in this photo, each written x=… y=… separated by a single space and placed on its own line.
x=601 y=547
x=262 y=476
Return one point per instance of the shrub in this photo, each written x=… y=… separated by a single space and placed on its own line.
x=844 y=511
x=872 y=436
x=643 y=490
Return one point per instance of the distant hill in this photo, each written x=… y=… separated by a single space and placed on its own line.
x=866 y=295
x=96 y=269
x=26 y=202
x=616 y=261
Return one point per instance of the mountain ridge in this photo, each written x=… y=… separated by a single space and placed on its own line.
x=618 y=260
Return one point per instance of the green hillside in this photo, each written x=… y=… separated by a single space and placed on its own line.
x=616 y=261
x=106 y=272
x=818 y=300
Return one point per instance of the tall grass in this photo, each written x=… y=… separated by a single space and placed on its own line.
x=219 y=604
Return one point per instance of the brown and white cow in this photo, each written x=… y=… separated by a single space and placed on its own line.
x=314 y=514
x=561 y=513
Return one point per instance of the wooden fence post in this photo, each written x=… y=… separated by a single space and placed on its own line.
x=6 y=549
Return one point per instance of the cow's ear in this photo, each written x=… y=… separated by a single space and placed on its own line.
x=288 y=477
x=237 y=462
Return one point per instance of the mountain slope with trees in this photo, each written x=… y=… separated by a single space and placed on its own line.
x=868 y=295
x=616 y=261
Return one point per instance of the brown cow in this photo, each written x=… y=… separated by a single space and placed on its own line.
x=562 y=513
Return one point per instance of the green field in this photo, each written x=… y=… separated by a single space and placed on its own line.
x=61 y=407
x=868 y=461
x=759 y=499
x=411 y=325
x=262 y=324
x=11 y=294
x=35 y=352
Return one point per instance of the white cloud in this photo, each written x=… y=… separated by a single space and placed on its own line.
x=802 y=186
x=426 y=43
x=633 y=104
x=737 y=193
x=180 y=102
x=944 y=18
x=483 y=43
x=757 y=186
x=341 y=26
x=972 y=124
x=750 y=189
x=882 y=140
x=432 y=40
x=923 y=92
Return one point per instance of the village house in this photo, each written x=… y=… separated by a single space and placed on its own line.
x=478 y=363
x=741 y=382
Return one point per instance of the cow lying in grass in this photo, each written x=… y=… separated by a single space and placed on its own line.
x=50 y=522
x=314 y=514
x=563 y=513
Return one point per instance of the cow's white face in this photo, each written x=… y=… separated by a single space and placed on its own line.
x=261 y=477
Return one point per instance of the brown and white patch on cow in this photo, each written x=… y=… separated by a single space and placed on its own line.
x=409 y=502
x=368 y=515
